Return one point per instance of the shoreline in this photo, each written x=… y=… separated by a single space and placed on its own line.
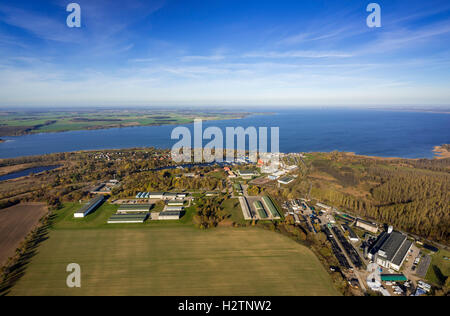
x=440 y=152
x=441 y=155
x=353 y=154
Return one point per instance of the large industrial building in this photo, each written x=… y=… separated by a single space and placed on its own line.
x=174 y=196
x=390 y=249
x=175 y=203
x=134 y=208
x=169 y=215
x=127 y=218
x=89 y=207
x=268 y=204
x=245 y=208
x=162 y=195
x=367 y=226
x=156 y=195
x=174 y=208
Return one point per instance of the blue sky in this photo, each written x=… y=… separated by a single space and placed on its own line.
x=217 y=52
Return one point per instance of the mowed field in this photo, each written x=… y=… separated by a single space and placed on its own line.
x=439 y=269
x=174 y=260
x=15 y=224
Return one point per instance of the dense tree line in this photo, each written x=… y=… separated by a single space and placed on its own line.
x=412 y=195
x=209 y=212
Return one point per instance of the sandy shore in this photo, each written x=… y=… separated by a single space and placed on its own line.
x=441 y=152
x=378 y=158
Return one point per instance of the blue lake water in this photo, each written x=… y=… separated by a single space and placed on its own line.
x=365 y=132
x=26 y=172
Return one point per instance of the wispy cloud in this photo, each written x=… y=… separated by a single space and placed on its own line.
x=202 y=58
x=124 y=54
x=42 y=26
x=298 y=54
x=406 y=38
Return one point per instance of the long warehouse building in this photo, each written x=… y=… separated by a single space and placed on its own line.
x=127 y=218
x=270 y=206
x=245 y=208
x=134 y=208
x=371 y=227
x=89 y=207
x=169 y=215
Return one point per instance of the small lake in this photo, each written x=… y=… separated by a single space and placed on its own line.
x=26 y=172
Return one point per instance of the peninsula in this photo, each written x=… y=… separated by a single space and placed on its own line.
x=16 y=123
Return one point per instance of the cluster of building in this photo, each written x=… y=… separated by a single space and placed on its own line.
x=139 y=213
x=131 y=214
x=263 y=208
x=105 y=188
x=280 y=173
x=387 y=251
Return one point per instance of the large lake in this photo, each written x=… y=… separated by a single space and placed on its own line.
x=366 y=132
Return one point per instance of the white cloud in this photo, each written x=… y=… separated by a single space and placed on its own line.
x=298 y=54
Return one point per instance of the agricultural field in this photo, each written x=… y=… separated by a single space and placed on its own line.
x=171 y=258
x=28 y=122
x=15 y=224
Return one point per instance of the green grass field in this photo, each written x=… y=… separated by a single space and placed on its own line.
x=232 y=207
x=439 y=269
x=171 y=258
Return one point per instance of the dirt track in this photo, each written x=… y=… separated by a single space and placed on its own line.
x=15 y=224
